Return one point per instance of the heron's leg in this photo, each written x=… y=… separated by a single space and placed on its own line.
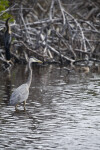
x=16 y=107
x=24 y=105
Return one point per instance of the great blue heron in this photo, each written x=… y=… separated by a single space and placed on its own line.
x=21 y=93
x=7 y=40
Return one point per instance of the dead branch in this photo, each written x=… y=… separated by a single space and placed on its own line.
x=54 y=30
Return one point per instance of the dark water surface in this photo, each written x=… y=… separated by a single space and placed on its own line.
x=62 y=111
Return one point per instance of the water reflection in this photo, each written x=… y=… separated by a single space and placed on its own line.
x=7 y=89
x=62 y=111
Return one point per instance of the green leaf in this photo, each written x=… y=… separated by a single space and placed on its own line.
x=4 y=4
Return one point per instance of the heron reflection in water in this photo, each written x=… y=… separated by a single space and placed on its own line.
x=21 y=93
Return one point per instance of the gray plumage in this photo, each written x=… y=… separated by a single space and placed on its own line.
x=19 y=95
x=22 y=92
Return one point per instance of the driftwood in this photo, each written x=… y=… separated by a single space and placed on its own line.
x=55 y=31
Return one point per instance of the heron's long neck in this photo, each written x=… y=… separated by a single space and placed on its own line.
x=30 y=75
x=8 y=29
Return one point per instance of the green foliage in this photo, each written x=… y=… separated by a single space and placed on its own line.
x=4 y=4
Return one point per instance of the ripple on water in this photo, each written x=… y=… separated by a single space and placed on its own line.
x=62 y=113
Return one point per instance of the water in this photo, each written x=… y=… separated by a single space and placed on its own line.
x=62 y=111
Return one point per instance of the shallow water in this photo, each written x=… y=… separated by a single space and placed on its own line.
x=62 y=111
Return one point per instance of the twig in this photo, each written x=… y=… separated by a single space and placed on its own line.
x=51 y=10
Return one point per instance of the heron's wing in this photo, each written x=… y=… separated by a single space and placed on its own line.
x=19 y=95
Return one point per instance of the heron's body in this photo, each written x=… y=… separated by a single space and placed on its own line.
x=22 y=92
x=19 y=95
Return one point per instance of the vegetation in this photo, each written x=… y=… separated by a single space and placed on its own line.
x=65 y=32
x=4 y=4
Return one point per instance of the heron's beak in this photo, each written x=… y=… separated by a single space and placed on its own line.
x=39 y=61
x=36 y=60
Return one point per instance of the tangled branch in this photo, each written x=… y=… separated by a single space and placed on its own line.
x=52 y=33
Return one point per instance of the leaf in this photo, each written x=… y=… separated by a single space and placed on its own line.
x=4 y=4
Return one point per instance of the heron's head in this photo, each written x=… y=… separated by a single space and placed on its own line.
x=8 y=19
x=34 y=60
